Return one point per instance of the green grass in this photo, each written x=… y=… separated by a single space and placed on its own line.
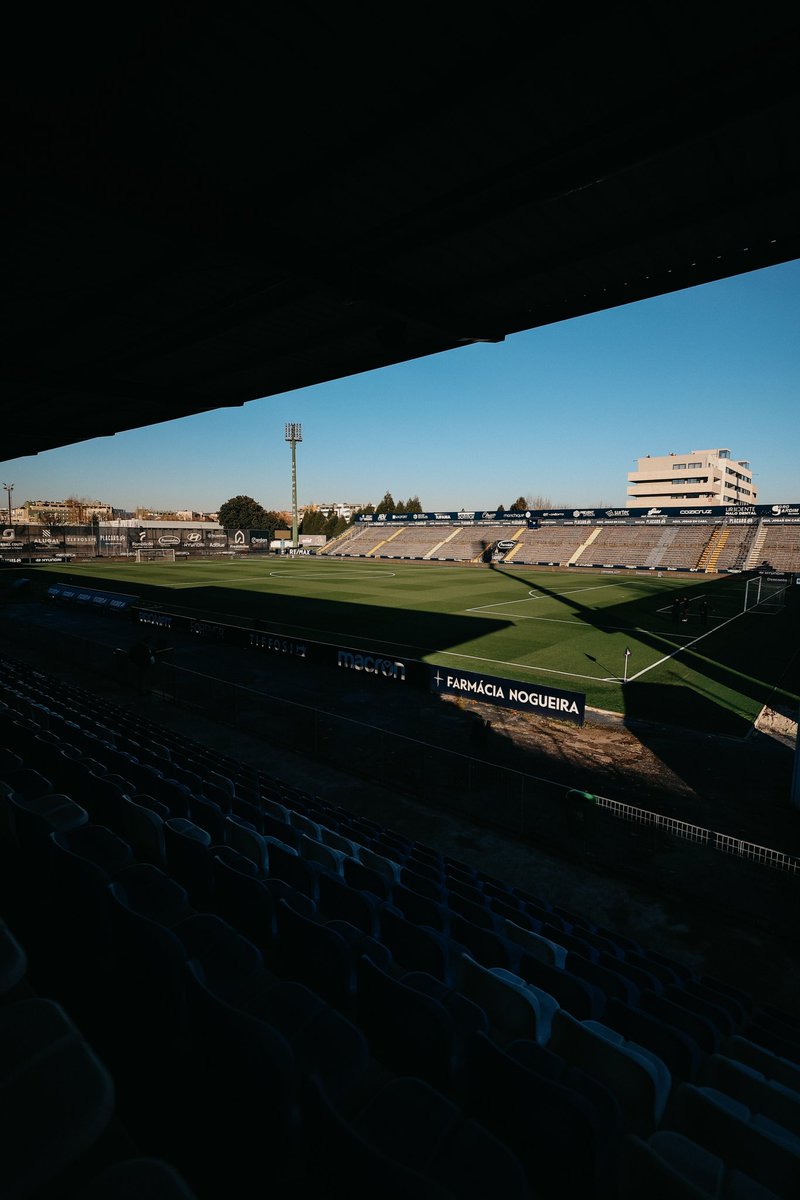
x=568 y=629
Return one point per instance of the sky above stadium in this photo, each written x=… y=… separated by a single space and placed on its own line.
x=559 y=413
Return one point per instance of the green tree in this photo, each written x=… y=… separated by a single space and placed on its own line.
x=313 y=521
x=519 y=505
x=334 y=526
x=500 y=508
x=242 y=512
x=272 y=521
x=413 y=505
x=386 y=505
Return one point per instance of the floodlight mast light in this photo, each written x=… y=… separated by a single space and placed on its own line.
x=294 y=434
x=9 y=488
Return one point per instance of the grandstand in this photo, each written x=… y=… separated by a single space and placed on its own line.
x=217 y=967
x=719 y=542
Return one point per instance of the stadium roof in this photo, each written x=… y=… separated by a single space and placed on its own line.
x=205 y=208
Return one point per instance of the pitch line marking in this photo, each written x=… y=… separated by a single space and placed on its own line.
x=501 y=662
x=680 y=649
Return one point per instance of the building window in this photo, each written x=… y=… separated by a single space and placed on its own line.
x=694 y=466
x=679 y=466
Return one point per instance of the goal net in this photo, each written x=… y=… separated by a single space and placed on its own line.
x=765 y=593
x=155 y=554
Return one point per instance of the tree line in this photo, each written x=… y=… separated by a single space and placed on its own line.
x=243 y=512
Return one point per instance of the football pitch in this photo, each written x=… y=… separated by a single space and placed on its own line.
x=612 y=636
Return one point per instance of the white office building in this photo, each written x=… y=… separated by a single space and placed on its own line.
x=698 y=478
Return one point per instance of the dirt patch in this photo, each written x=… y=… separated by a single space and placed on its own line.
x=779 y=724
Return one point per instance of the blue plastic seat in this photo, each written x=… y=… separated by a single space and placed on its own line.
x=408 y=1031
x=317 y=956
x=421 y=910
x=337 y=900
x=583 y=999
x=555 y=1130
x=58 y=1097
x=190 y=859
x=406 y=1141
x=416 y=947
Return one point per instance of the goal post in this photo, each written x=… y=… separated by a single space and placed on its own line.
x=155 y=554
x=765 y=593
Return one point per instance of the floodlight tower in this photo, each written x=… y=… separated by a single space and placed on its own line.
x=9 y=488
x=293 y=435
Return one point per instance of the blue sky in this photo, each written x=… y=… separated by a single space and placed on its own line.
x=559 y=412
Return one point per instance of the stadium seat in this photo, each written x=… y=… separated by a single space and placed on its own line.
x=638 y=1078
x=144 y=830
x=209 y=816
x=132 y=1178
x=421 y=910
x=365 y=878
x=561 y=1137
x=673 y=1046
x=406 y=1141
x=58 y=1098
x=13 y=964
x=743 y=1140
x=338 y=900
x=669 y=1164
x=534 y=944
x=416 y=947
x=245 y=838
x=611 y=982
x=584 y=1000
x=513 y=1012
x=408 y=1031
x=484 y=945
x=760 y=1093
x=288 y=865
x=468 y=1016
x=317 y=956
x=380 y=863
x=189 y=858
x=760 y=1058
x=326 y=857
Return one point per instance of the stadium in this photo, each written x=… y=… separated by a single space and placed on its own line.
x=459 y=857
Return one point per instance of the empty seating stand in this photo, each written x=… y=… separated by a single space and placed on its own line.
x=405 y=1023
